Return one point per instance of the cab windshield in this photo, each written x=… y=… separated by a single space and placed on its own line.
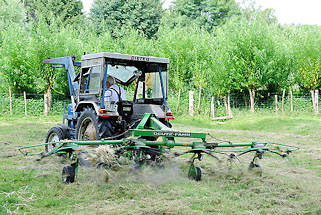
x=123 y=73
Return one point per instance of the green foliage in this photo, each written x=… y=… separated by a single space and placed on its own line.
x=112 y=15
x=247 y=51
x=67 y=11
x=49 y=41
x=251 y=52
x=191 y=51
x=308 y=56
x=204 y=13
x=15 y=62
x=11 y=11
x=11 y=16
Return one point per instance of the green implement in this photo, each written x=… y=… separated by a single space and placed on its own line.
x=151 y=139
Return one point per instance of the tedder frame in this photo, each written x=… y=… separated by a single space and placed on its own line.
x=151 y=139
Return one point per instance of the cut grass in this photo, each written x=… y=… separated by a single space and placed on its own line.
x=288 y=186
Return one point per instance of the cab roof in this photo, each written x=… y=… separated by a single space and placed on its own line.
x=126 y=57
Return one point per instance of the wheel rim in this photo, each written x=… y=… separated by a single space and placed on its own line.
x=87 y=130
x=64 y=178
x=52 y=138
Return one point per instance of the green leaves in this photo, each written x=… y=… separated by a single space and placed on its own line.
x=113 y=15
x=246 y=51
x=308 y=56
x=206 y=14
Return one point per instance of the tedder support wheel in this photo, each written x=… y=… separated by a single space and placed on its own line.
x=55 y=134
x=195 y=173
x=68 y=174
x=255 y=168
x=91 y=127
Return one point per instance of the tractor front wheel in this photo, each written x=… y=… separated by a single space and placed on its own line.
x=91 y=127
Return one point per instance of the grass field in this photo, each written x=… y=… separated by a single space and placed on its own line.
x=288 y=186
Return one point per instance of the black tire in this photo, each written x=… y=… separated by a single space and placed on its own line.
x=103 y=128
x=198 y=174
x=55 y=134
x=68 y=174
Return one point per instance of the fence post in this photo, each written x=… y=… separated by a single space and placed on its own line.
x=229 y=105
x=212 y=108
x=313 y=99
x=190 y=104
x=276 y=103
x=283 y=95
x=10 y=98
x=316 y=100
x=45 y=99
x=179 y=95
x=25 y=98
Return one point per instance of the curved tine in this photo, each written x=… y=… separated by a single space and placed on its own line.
x=243 y=153
x=223 y=153
x=282 y=155
x=180 y=154
x=210 y=154
x=233 y=156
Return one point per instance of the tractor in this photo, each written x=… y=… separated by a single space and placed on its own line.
x=89 y=116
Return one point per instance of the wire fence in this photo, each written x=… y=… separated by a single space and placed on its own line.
x=34 y=103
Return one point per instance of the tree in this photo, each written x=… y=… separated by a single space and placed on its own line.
x=204 y=13
x=11 y=16
x=142 y=15
x=251 y=54
x=308 y=58
x=63 y=10
x=15 y=59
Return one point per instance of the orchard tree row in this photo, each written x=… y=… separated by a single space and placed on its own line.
x=212 y=45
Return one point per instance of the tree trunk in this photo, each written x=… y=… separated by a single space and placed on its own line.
x=313 y=100
x=245 y=100
x=199 y=99
x=49 y=98
x=283 y=95
x=252 y=97
x=291 y=100
x=179 y=95
x=225 y=104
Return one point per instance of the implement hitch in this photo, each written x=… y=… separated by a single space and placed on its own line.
x=149 y=142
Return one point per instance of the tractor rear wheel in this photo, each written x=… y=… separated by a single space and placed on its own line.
x=55 y=134
x=91 y=127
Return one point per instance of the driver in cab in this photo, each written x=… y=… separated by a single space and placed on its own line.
x=114 y=92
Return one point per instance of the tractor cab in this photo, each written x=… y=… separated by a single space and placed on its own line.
x=144 y=78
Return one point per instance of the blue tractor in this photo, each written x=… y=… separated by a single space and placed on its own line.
x=90 y=116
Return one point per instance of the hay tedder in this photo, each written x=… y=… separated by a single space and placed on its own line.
x=138 y=129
